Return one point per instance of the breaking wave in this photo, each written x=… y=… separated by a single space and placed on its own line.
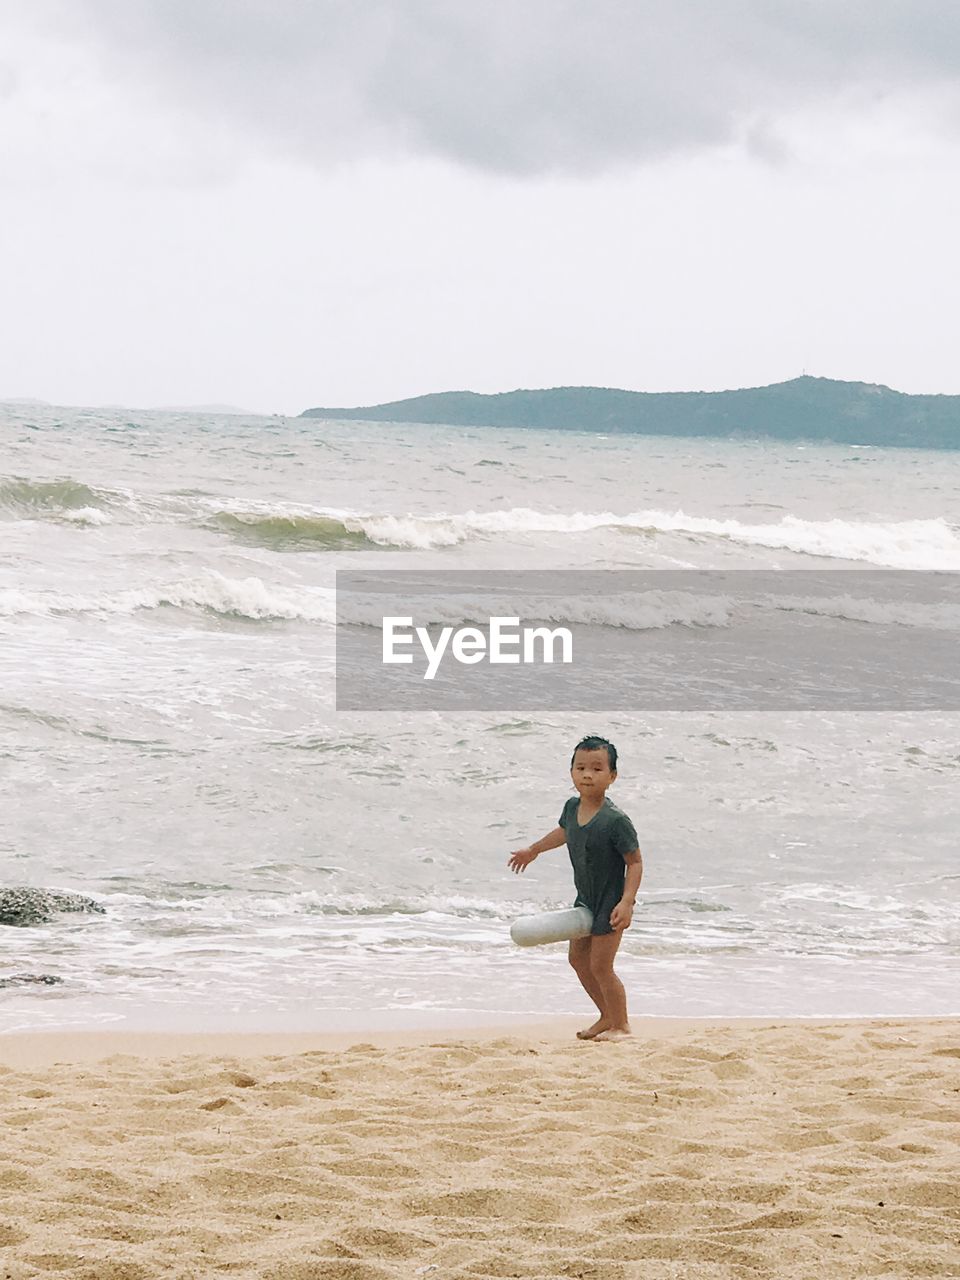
x=58 y=500
x=210 y=593
x=646 y=610
x=290 y=530
x=254 y=600
x=907 y=544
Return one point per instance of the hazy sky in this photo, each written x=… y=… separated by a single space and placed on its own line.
x=284 y=203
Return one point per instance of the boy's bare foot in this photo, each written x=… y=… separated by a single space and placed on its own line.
x=614 y=1033
x=589 y=1033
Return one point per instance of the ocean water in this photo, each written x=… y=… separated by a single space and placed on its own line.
x=169 y=742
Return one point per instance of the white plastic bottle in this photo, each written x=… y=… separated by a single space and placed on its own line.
x=552 y=926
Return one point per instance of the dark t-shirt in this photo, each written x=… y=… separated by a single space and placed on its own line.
x=596 y=852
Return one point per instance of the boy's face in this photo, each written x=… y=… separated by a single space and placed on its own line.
x=591 y=772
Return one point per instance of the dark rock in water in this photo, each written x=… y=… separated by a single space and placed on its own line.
x=31 y=980
x=26 y=906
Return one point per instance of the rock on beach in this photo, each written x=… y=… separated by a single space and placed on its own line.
x=31 y=980
x=25 y=906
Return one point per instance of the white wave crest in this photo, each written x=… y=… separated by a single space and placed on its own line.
x=442 y=530
x=905 y=544
x=210 y=592
x=253 y=599
x=86 y=515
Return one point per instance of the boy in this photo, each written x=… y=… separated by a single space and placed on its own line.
x=607 y=869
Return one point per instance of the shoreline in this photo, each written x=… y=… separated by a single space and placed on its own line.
x=27 y=1050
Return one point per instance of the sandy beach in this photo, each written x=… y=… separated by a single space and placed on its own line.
x=702 y=1150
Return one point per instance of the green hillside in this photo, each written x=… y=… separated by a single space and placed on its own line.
x=803 y=409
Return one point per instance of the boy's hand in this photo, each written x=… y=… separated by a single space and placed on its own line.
x=621 y=915
x=520 y=859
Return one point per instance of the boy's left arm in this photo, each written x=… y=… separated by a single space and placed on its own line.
x=622 y=913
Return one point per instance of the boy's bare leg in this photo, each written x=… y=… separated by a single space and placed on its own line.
x=580 y=953
x=603 y=951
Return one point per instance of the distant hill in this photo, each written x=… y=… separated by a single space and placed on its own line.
x=803 y=409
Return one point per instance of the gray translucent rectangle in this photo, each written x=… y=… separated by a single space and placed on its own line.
x=657 y=640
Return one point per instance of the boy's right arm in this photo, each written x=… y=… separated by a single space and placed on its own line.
x=520 y=859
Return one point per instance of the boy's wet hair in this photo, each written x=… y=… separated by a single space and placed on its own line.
x=593 y=743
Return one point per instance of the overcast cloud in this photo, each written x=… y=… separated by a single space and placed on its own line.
x=525 y=86
x=279 y=204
